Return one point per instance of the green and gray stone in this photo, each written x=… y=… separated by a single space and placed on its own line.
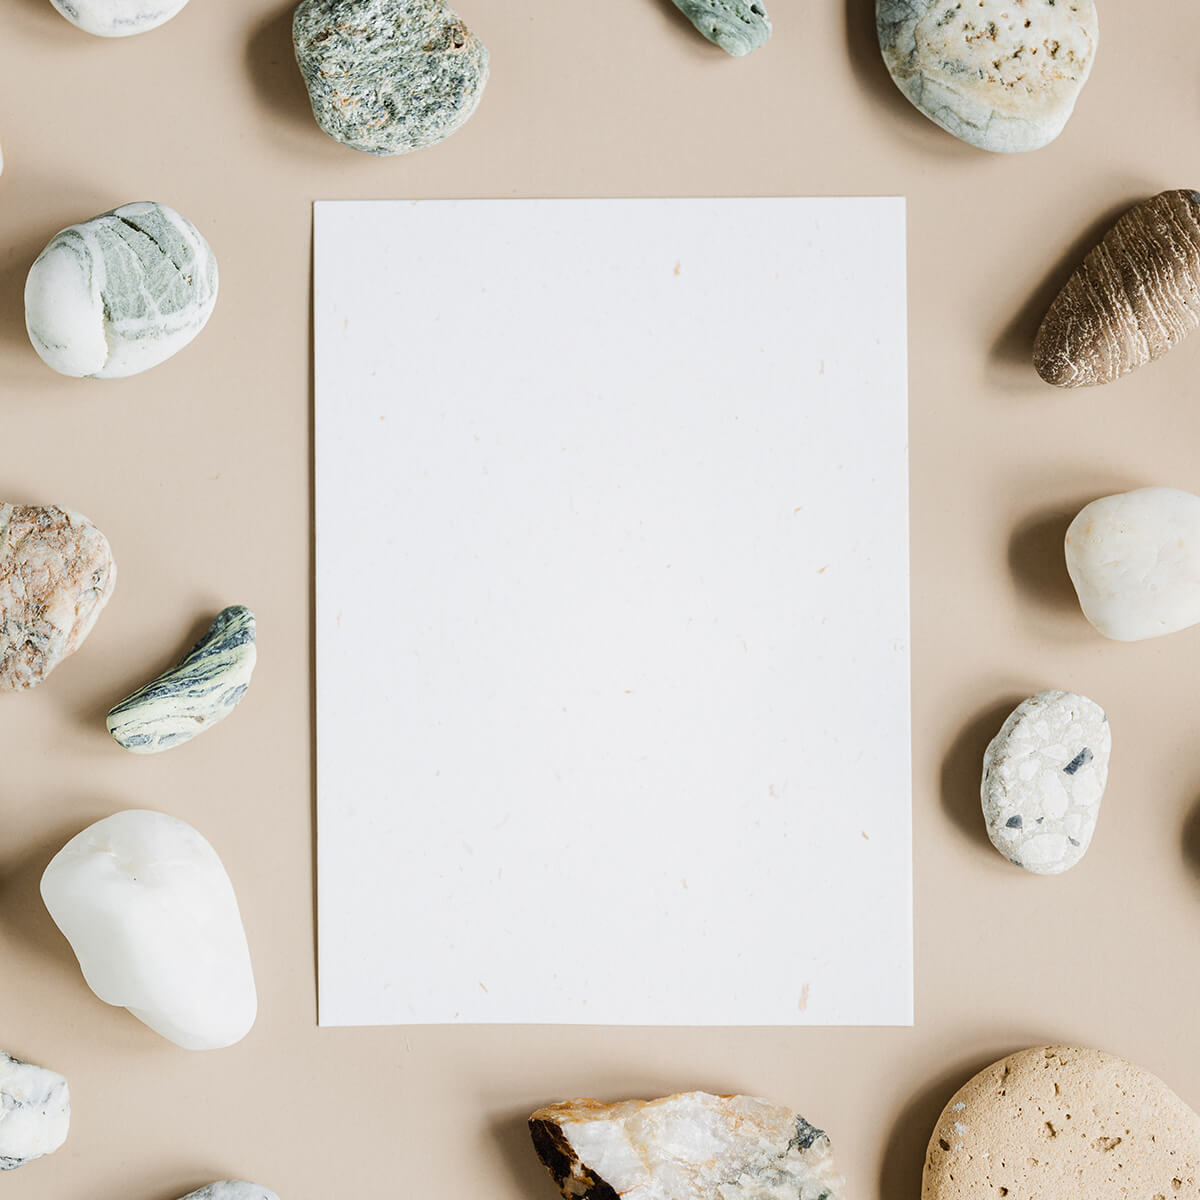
x=388 y=76
x=120 y=293
x=735 y=25
x=189 y=698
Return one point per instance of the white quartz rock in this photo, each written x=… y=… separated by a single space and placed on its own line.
x=1044 y=776
x=35 y=1112
x=692 y=1146
x=232 y=1189
x=152 y=917
x=1134 y=559
x=118 y=18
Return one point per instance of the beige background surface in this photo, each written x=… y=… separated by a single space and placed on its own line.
x=199 y=473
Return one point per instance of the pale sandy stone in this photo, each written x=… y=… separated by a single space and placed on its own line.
x=1134 y=559
x=1135 y=296
x=691 y=1146
x=1064 y=1123
x=56 y=575
x=1003 y=75
x=1044 y=775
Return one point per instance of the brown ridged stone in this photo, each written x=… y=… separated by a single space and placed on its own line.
x=1135 y=296
x=1064 y=1123
x=56 y=574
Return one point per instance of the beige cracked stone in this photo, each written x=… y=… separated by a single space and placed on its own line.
x=1135 y=296
x=56 y=575
x=1064 y=1123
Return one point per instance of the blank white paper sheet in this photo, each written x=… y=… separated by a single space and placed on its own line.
x=612 y=612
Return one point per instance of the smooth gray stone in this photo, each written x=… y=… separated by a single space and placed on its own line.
x=388 y=76
x=185 y=700
x=120 y=293
x=232 y=1189
x=35 y=1112
x=737 y=26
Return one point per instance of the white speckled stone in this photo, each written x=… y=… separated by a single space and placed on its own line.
x=118 y=18
x=120 y=293
x=35 y=1112
x=1002 y=75
x=151 y=915
x=692 y=1146
x=1134 y=559
x=1043 y=778
x=232 y=1189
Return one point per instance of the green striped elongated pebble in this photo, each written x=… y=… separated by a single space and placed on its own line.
x=737 y=26
x=203 y=689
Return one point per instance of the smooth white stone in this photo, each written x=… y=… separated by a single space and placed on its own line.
x=152 y=917
x=232 y=1189
x=1044 y=775
x=118 y=18
x=120 y=293
x=35 y=1112
x=1134 y=559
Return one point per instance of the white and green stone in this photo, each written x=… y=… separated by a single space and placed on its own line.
x=388 y=76
x=120 y=293
x=737 y=26
x=203 y=689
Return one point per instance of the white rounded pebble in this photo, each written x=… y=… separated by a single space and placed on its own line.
x=121 y=293
x=1044 y=775
x=153 y=919
x=35 y=1112
x=118 y=18
x=1134 y=559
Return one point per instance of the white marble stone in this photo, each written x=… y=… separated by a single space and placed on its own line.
x=1044 y=775
x=1003 y=75
x=691 y=1146
x=152 y=917
x=118 y=18
x=121 y=293
x=35 y=1112
x=1134 y=559
x=232 y=1189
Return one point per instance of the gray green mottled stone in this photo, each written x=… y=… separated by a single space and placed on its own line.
x=388 y=76
x=193 y=696
x=737 y=26
x=120 y=293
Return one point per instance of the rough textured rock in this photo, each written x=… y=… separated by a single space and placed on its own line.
x=1043 y=778
x=388 y=76
x=1064 y=1123
x=118 y=18
x=185 y=700
x=737 y=26
x=1135 y=296
x=1134 y=559
x=120 y=293
x=1002 y=75
x=151 y=915
x=35 y=1112
x=693 y=1146
x=56 y=574
x=232 y=1189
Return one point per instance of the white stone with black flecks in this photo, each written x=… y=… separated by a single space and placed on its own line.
x=1044 y=775
x=35 y=1112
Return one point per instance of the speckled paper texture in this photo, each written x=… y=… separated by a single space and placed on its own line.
x=612 y=612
